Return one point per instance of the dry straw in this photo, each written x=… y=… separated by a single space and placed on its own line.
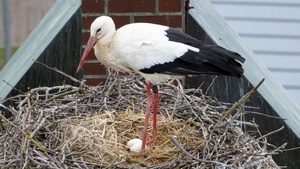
x=88 y=127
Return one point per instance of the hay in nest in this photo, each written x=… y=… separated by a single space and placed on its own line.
x=88 y=127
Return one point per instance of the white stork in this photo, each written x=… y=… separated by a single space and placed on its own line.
x=157 y=53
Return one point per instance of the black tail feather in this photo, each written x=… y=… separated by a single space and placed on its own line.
x=210 y=60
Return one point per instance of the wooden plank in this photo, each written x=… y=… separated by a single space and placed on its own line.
x=287 y=78
x=266 y=27
x=36 y=43
x=294 y=92
x=219 y=31
x=280 y=61
x=273 y=44
x=260 y=2
x=259 y=11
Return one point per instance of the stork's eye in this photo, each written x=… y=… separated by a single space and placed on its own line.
x=98 y=30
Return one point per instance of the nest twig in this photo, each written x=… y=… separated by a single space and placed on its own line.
x=85 y=127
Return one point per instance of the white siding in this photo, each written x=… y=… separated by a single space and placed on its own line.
x=271 y=28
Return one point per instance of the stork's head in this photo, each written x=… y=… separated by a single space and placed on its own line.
x=101 y=26
x=101 y=29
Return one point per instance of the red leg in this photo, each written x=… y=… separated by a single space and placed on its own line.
x=155 y=107
x=148 y=108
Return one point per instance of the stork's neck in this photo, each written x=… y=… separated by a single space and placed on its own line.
x=102 y=47
x=107 y=38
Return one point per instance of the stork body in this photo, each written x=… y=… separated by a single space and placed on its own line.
x=157 y=53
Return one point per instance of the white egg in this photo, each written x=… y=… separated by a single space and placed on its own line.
x=133 y=141
x=135 y=144
x=137 y=147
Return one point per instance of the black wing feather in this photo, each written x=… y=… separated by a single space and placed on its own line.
x=211 y=59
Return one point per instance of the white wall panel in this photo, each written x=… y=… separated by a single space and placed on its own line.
x=271 y=28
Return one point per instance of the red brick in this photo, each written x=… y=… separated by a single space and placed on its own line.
x=85 y=37
x=91 y=55
x=131 y=6
x=87 y=21
x=92 y=6
x=94 y=69
x=95 y=82
x=121 y=20
x=170 y=5
x=172 y=21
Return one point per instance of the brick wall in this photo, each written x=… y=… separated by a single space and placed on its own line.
x=165 y=12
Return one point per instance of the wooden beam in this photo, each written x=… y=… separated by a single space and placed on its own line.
x=272 y=91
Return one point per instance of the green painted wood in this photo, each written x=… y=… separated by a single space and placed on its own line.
x=271 y=90
x=36 y=44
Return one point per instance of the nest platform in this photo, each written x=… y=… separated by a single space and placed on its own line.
x=88 y=127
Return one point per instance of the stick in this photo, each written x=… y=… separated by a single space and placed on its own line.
x=242 y=100
x=190 y=155
x=41 y=147
x=59 y=71
x=275 y=131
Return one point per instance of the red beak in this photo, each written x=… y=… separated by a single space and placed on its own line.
x=90 y=44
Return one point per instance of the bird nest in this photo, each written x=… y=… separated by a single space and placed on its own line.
x=88 y=127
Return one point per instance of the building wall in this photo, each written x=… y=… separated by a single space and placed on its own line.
x=24 y=16
x=2 y=26
x=271 y=28
x=165 y=12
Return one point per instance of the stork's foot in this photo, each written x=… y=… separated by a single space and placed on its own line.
x=151 y=142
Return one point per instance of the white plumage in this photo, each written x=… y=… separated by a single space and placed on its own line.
x=135 y=46
x=146 y=45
